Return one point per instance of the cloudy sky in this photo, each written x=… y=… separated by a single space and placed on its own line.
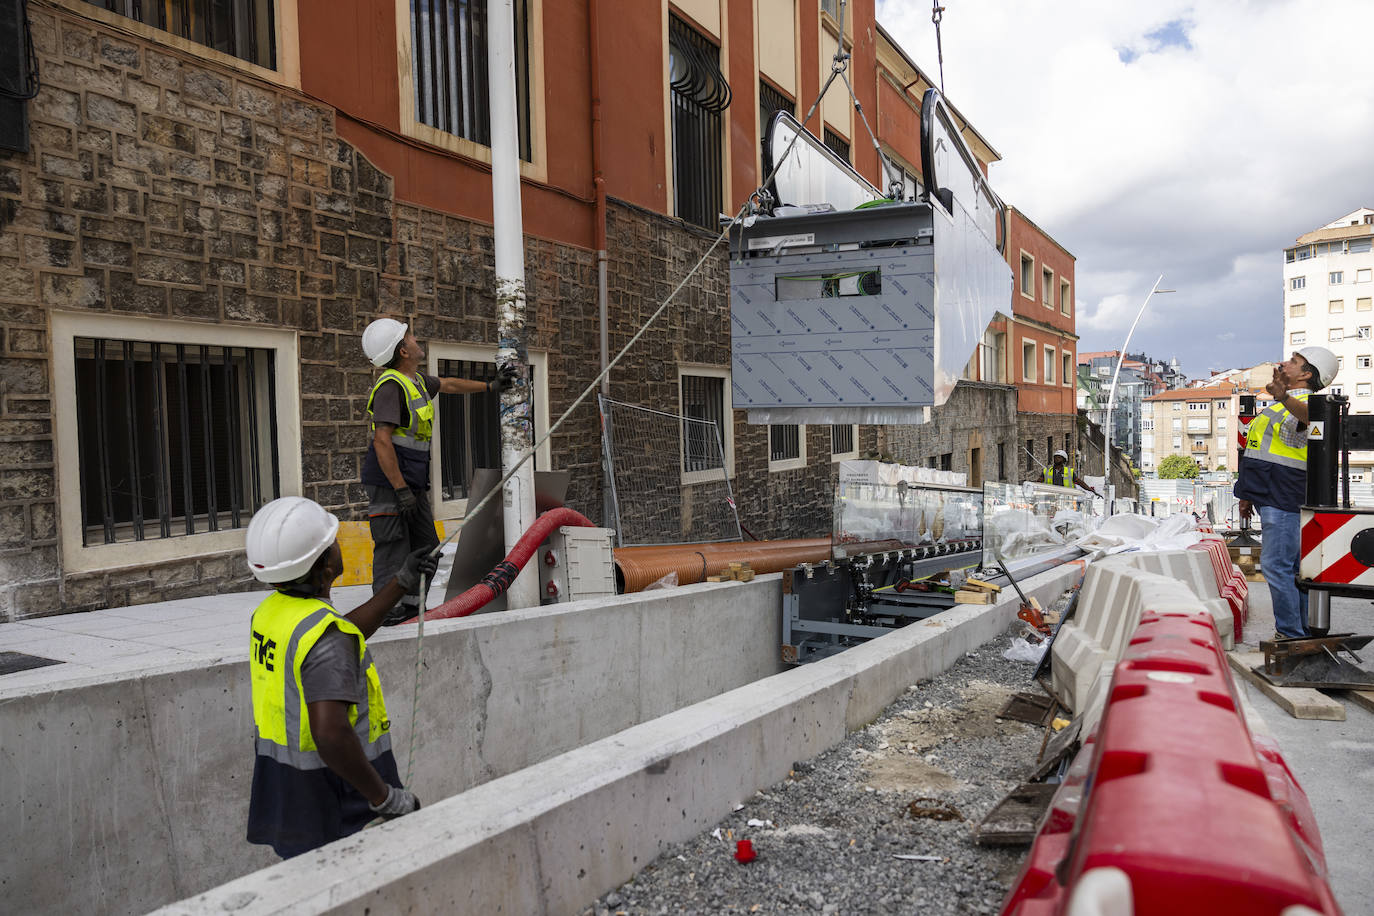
x=1192 y=140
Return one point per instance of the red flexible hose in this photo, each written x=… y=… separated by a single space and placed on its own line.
x=500 y=578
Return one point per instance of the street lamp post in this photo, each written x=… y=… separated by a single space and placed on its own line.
x=1111 y=396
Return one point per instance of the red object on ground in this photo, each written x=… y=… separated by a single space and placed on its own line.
x=1201 y=817
x=500 y=578
x=744 y=852
x=1231 y=583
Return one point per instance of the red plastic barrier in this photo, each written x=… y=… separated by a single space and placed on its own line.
x=1201 y=818
x=1231 y=583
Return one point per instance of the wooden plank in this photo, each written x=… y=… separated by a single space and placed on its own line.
x=1361 y=698
x=1298 y=702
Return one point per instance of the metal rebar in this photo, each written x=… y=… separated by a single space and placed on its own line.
x=207 y=437
x=131 y=430
x=164 y=500
x=184 y=409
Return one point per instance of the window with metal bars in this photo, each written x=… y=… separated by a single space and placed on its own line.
x=784 y=441
x=241 y=28
x=842 y=439
x=771 y=101
x=470 y=427
x=698 y=93
x=174 y=439
x=449 y=49
x=836 y=144
x=703 y=399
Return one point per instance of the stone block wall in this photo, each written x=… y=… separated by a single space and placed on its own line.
x=969 y=427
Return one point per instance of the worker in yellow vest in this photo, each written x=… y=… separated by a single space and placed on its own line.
x=1273 y=479
x=324 y=766
x=1062 y=474
x=395 y=471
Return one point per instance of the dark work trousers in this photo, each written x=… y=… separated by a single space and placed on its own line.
x=394 y=538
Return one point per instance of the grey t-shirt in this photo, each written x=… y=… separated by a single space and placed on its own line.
x=388 y=405
x=332 y=669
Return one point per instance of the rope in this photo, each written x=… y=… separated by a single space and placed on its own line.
x=837 y=67
x=937 y=12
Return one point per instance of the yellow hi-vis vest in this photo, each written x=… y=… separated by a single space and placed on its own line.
x=1263 y=443
x=416 y=433
x=1068 y=475
x=284 y=629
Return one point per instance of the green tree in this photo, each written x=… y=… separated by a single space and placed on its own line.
x=1177 y=466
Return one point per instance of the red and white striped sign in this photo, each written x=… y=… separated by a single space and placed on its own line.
x=1326 y=556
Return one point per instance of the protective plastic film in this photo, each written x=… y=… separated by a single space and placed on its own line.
x=902 y=514
x=1023 y=520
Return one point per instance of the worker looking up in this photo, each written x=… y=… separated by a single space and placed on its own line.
x=325 y=776
x=396 y=469
x=1061 y=474
x=1273 y=478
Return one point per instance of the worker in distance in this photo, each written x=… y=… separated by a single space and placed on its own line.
x=323 y=767
x=1273 y=478
x=395 y=473
x=1061 y=474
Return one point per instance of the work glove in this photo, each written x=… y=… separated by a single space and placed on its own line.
x=398 y=802
x=420 y=563
x=406 y=503
x=506 y=377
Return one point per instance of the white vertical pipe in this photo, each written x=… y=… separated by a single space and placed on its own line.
x=509 y=242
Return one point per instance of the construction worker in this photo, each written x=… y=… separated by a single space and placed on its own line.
x=1061 y=474
x=1273 y=478
x=396 y=470
x=323 y=776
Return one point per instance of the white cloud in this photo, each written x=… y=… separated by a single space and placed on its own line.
x=1241 y=126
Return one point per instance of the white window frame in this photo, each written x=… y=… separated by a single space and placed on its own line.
x=1364 y=361
x=66 y=327
x=1050 y=367
x=1335 y=307
x=1065 y=297
x=440 y=350
x=727 y=434
x=1297 y=283
x=1297 y=337
x=1362 y=389
x=1297 y=310
x=1028 y=368
x=852 y=453
x=1198 y=406
x=1066 y=364
x=1364 y=275
x=1336 y=278
x=789 y=464
x=1027 y=262
x=1364 y=304
x=1362 y=333
x=1047 y=286
x=1335 y=334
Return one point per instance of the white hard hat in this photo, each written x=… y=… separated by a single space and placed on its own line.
x=1321 y=359
x=380 y=339
x=286 y=537
x=1060 y=453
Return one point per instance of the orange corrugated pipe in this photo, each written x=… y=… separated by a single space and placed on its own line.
x=638 y=567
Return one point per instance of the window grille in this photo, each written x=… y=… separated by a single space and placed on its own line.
x=470 y=427
x=771 y=101
x=173 y=439
x=842 y=439
x=836 y=144
x=699 y=93
x=449 y=47
x=784 y=442
x=703 y=398
x=241 y=28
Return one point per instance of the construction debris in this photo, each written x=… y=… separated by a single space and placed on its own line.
x=735 y=572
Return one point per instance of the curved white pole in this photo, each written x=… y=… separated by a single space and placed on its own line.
x=1111 y=396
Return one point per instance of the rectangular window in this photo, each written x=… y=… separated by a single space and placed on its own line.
x=1335 y=307
x=471 y=425
x=1067 y=366
x=1363 y=274
x=786 y=446
x=844 y=440
x=1297 y=283
x=836 y=144
x=1178 y=423
x=174 y=439
x=1176 y=406
x=1027 y=276
x=1358 y=246
x=1049 y=365
x=771 y=101
x=1030 y=454
x=1362 y=389
x=1178 y=441
x=1001 y=461
x=1336 y=389
x=1362 y=333
x=1363 y=362
x=830 y=6
x=1065 y=298
x=1028 y=361
x=1335 y=334
x=699 y=93
x=703 y=443
x=1364 y=304
x=1047 y=287
x=449 y=46
x=1221 y=424
x=1340 y=363
x=1297 y=337
x=1336 y=278
x=1199 y=445
x=1297 y=311
x=240 y=28
x=1222 y=405
x=1197 y=405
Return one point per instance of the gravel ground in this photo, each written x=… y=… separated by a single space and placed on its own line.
x=829 y=836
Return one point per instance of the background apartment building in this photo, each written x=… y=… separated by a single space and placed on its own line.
x=1328 y=299
x=1198 y=423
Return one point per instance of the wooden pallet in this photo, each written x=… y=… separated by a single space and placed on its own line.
x=1298 y=702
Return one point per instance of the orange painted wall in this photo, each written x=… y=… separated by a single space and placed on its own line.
x=898 y=124
x=1059 y=331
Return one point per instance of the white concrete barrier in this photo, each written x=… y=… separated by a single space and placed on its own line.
x=551 y=838
x=126 y=792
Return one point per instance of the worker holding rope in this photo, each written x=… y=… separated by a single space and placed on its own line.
x=396 y=470
x=324 y=766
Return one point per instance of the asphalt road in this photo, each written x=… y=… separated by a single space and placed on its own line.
x=1334 y=761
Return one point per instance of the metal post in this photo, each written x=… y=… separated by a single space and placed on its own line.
x=1322 y=453
x=1319 y=612
x=509 y=239
x=1111 y=396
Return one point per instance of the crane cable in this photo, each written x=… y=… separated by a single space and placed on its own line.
x=837 y=67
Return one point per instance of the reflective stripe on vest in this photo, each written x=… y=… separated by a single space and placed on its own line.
x=283 y=631
x=1262 y=442
x=416 y=433
x=1067 y=478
